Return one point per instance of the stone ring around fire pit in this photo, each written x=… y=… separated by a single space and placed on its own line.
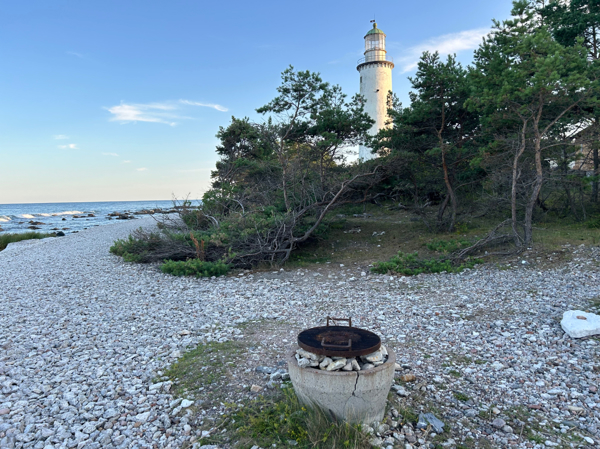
x=353 y=396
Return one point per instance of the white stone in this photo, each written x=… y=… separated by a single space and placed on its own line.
x=142 y=417
x=186 y=403
x=376 y=356
x=497 y=365
x=325 y=363
x=336 y=364
x=307 y=355
x=303 y=363
x=578 y=324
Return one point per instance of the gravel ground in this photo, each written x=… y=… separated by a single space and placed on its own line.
x=83 y=335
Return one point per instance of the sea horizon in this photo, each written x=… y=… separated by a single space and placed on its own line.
x=76 y=215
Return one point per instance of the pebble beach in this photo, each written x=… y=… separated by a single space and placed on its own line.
x=85 y=339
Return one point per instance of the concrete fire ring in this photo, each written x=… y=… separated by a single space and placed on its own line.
x=353 y=396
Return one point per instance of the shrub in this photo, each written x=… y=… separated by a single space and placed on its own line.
x=5 y=239
x=194 y=267
x=145 y=247
x=411 y=265
x=447 y=246
x=593 y=223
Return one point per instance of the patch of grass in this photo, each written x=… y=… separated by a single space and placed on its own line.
x=463 y=359
x=408 y=415
x=281 y=420
x=480 y=362
x=538 y=439
x=302 y=260
x=411 y=265
x=203 y=368
x=194 y=267
x=461 y=396
x=553 y=235
x=454 y=373
x=5 y=239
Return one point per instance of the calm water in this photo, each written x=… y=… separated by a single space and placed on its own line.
x=61 y=216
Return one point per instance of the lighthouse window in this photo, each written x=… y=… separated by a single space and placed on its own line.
x=361 y=80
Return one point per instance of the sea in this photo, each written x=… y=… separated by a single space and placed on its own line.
x=70 y=217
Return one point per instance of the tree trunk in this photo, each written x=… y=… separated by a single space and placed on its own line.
x=451 y=194
x=537 y=187
x=442 y=208
x=515 y=176
x=596 y=173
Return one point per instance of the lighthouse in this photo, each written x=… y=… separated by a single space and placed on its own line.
x=375 y=83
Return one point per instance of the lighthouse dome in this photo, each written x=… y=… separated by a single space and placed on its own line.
x=374 y=30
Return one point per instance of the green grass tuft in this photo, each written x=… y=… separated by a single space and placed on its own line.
x=281 y=420
x=5 y=239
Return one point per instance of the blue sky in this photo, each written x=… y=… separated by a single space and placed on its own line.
x=121 y=100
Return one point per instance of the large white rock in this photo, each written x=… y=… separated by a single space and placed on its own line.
x=577 y=323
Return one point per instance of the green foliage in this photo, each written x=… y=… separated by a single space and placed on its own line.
x=447 y=246
x=280 y=419
x=135 y=249
x=5 y=239
x=411 y=265
x=593 y=223
x=194 y=267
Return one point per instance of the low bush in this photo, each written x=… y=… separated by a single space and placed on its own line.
x=593 y=223
x=447 y=246
x=135 y=249
x=194 y=267
x=5 y=239
x=411 y=265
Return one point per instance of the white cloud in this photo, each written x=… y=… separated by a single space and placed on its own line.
x=141 y=169
x=74 y=53
x=218 y=107
x=167 y=112
x=69 y=146
x=151 y=112
x=60 y=137
x=110 y=154
x=444 y=45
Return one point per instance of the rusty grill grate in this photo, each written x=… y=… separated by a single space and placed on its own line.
x=339 y=341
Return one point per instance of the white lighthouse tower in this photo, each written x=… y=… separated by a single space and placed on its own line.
x=375 y=82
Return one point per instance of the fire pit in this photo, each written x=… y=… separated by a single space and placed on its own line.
x=339 y=341
x=358 y=392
